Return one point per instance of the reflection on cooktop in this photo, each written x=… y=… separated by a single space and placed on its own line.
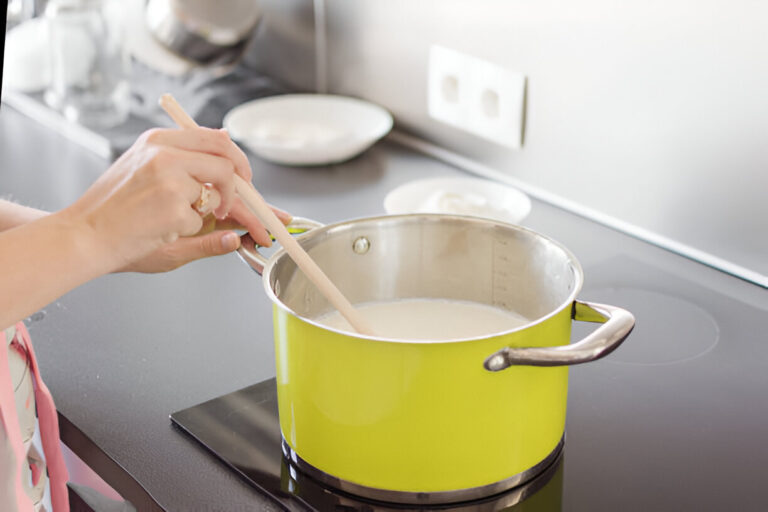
x=242 y=429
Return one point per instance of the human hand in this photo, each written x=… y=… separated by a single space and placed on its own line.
x=143 y=203
x=215 y=238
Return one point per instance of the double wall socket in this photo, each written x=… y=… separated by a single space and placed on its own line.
x=477 y=96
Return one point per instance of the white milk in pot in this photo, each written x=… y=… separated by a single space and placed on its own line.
x=429 y=320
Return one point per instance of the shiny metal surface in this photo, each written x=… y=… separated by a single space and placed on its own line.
x=374 y=395
x=249 y=250
x=507 y=268
x=421 y=498
x=617 y=324
x=544 y=493
x=361 y=245
x=428 y=256
x=446 y=257
x=203 y=31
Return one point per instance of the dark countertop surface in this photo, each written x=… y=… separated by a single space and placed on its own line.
x=676 y=419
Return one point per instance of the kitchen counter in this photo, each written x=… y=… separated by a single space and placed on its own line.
x=676 y=419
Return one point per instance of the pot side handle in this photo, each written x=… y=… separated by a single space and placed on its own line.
x=617 y=324
x=249 y=250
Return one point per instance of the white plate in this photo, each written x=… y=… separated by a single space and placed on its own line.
x=308 y=129
x=462 y=196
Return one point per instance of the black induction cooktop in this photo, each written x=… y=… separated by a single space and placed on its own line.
x=676 y=419
x=242 y=430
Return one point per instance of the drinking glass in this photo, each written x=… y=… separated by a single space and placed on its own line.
x=89 y=63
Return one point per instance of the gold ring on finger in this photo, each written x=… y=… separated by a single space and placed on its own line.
x=201 y=205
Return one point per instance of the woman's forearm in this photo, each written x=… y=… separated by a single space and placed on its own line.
x=43 y=259
x=146 y=202
x=12 y=214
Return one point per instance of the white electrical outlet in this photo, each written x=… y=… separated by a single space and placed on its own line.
x=477 y=96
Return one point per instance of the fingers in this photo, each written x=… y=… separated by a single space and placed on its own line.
x=174 y=193
x=206 y=140
x=196 y=247
x=185 y=250
x=228 y=223
x=242 y=214
x=284 y=216
x=203 y=155
x=188 y=223
x=204 y=168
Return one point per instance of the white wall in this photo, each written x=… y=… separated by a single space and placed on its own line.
x=655 y=112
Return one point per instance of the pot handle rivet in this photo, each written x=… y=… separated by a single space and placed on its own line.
x=361 y=245
x=496 y=362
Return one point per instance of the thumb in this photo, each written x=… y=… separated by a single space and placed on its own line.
x=211 y=244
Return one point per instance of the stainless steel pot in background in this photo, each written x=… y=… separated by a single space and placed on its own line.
x=204 y=31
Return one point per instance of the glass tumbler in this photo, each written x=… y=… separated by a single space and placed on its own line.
x=89 y=63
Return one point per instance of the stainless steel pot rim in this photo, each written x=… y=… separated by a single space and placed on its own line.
x=422 y=498
x=435 y=217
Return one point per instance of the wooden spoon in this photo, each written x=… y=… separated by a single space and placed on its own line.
x=253 y=200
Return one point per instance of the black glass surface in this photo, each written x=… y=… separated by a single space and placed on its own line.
x=675 y=419
x=242 y=429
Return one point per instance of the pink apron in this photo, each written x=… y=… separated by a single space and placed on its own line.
x=13 y=454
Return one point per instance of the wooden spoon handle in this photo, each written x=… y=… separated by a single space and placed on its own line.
x=255 y=202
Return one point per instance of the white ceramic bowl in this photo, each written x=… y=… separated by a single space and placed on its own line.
x=307 y=129
x=463 y=196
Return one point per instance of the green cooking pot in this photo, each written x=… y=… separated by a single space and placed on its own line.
x=436 y=422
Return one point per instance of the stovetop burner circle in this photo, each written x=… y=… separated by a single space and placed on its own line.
x=668 y=329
